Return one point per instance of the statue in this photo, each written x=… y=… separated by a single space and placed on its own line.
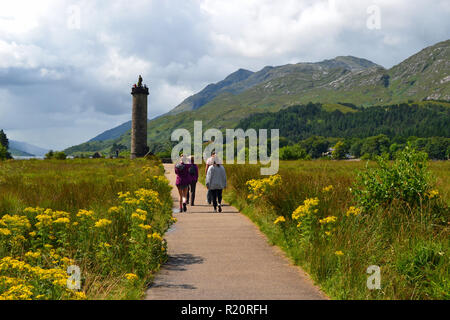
x=140 y=82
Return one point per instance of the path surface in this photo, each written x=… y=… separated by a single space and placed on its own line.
x=220 y=256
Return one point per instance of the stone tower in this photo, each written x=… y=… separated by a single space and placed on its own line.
x=139 y=146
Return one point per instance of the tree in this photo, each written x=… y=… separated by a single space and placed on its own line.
x=375 y=146
x=294 y=152
x=49 y=155
x=3 y=153
x=4 y=140
x=60 y=155
x=355 y=149
x=339 y=151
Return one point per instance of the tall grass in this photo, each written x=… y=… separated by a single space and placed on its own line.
x=112 y=215
x=410 y=244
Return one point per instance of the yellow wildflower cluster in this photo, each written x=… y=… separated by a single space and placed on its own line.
x=306 y=208
x=156 y=236
x=85 y=214
x=102 y=223
x=15 y=223
x=330 y=219
x=279 y=219
x=131 y=276
x=339 y=253
x=258 y=188
x=37 y=244
x=353 y=211
x=33 y=282
x=114 y=210
x=139 y=214
x=328 y=188
x=432 y=194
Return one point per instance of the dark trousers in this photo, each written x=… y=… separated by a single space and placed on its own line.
x=209 y=196
x=216 y=196
x=191 y=189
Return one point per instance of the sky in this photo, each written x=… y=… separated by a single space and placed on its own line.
x=67 y=67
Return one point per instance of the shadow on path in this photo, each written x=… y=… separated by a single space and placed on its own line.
x=178 y=262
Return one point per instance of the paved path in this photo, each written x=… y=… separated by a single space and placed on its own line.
x=219 y=256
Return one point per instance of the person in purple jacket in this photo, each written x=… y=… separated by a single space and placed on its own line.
x=193 y=175
x=183 y=181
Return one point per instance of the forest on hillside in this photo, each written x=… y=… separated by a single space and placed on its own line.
x=309 y=131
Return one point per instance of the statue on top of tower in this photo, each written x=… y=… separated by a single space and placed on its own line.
x=140 y=82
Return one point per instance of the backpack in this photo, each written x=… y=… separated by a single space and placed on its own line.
x=192 y=170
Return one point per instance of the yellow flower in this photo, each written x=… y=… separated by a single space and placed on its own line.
x=123 y=195
x=5 y=232
x=433 y=194
x=102 y=223
x=156 y=236
x=32 y=234
x=105 y=244
x=138 y=216
x=113 y=210
x=306 y=208
x=353 y=211
x=31 y=254
x=328 y=188
x=131 y=276
x=62 y=220
x=339 y=253
x=80 y=295
x=85 y=213
x=330 y=219
x=145 y=226
x=279 y=219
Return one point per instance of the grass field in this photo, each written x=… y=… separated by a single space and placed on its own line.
x=309 y=211
x=105 y=216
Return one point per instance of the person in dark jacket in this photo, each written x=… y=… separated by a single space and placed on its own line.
x=193 y=174
x=182 y=182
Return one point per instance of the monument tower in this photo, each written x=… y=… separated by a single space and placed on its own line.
x=139 y=146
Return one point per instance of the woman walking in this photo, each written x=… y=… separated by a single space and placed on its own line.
x=216 y=181
x=182 y=182
x=193 y=175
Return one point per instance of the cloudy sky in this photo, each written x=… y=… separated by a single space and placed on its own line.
x=66 y=67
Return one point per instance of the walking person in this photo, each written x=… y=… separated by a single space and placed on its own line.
x=216 y=181
x=209 y=163
x=193 y=175
x=182 y=182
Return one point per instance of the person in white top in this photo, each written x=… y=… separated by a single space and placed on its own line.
x=216 y=181
x=209 y=163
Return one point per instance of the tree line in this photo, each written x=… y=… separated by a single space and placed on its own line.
x=309 y=131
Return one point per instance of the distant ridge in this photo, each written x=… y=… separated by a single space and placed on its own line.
x=26 y=148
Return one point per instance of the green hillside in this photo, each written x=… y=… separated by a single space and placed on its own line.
x=333 y=82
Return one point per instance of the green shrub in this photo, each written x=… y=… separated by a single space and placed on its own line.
x=405 y=180
x=294 y=152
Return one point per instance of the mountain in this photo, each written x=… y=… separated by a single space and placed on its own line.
x=26 y=148
x=18 y=153
x=243 y=80
x=423 y=76
x=113 y=133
